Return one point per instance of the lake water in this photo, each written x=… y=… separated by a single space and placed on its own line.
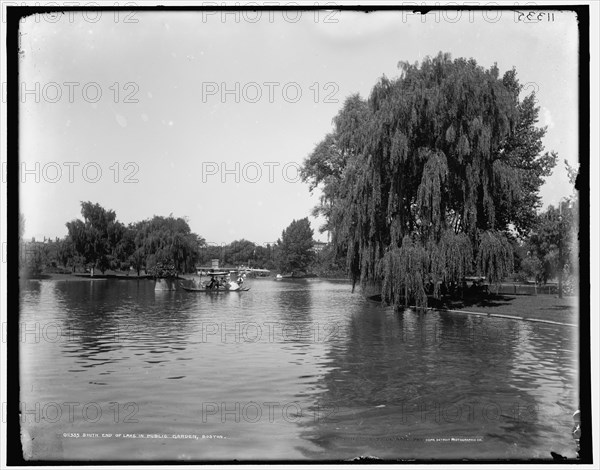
x=112 y=370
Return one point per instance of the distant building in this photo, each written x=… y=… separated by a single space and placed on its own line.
x=318 y=246
x=214 y=266
x=29 y=249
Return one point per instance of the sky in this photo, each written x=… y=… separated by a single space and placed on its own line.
x=209 y=116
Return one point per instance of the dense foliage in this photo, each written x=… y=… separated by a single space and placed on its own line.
x=552 y=249
x=295 y=248
x=426 y=180
x=240 y=253
x=96 y=236
x=157 y=245
x=160 y=246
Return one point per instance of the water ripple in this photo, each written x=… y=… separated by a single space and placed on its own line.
x=305 y=370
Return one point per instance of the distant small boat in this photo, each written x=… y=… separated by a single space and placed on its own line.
x=279 y=277
x=253 y=272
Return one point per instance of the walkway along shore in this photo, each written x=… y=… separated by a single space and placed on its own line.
x=541 y=308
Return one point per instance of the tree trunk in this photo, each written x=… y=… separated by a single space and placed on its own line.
x=560 y=270
x=560 y=282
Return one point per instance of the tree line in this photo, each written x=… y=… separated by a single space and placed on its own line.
x=159 y=246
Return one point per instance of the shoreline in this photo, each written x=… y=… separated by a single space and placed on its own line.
x=541 y=308
x=84 y=277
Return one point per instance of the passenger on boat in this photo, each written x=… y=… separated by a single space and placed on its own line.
x=213 y=283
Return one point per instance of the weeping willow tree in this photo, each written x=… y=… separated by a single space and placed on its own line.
x=425 y=181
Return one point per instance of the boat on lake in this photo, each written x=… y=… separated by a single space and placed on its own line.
x=294 y=275
x=217 y=282
x=217 y=290
x=253 y=272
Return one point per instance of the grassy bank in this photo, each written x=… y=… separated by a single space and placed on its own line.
x=540 y=307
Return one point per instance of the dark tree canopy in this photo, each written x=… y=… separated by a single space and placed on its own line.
x=425 y=179
x=552 y=231
x=552 y=247
x=168 y=241
x=295 y=248
x=103 y=242
x=96 y=237
x=239 y=252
